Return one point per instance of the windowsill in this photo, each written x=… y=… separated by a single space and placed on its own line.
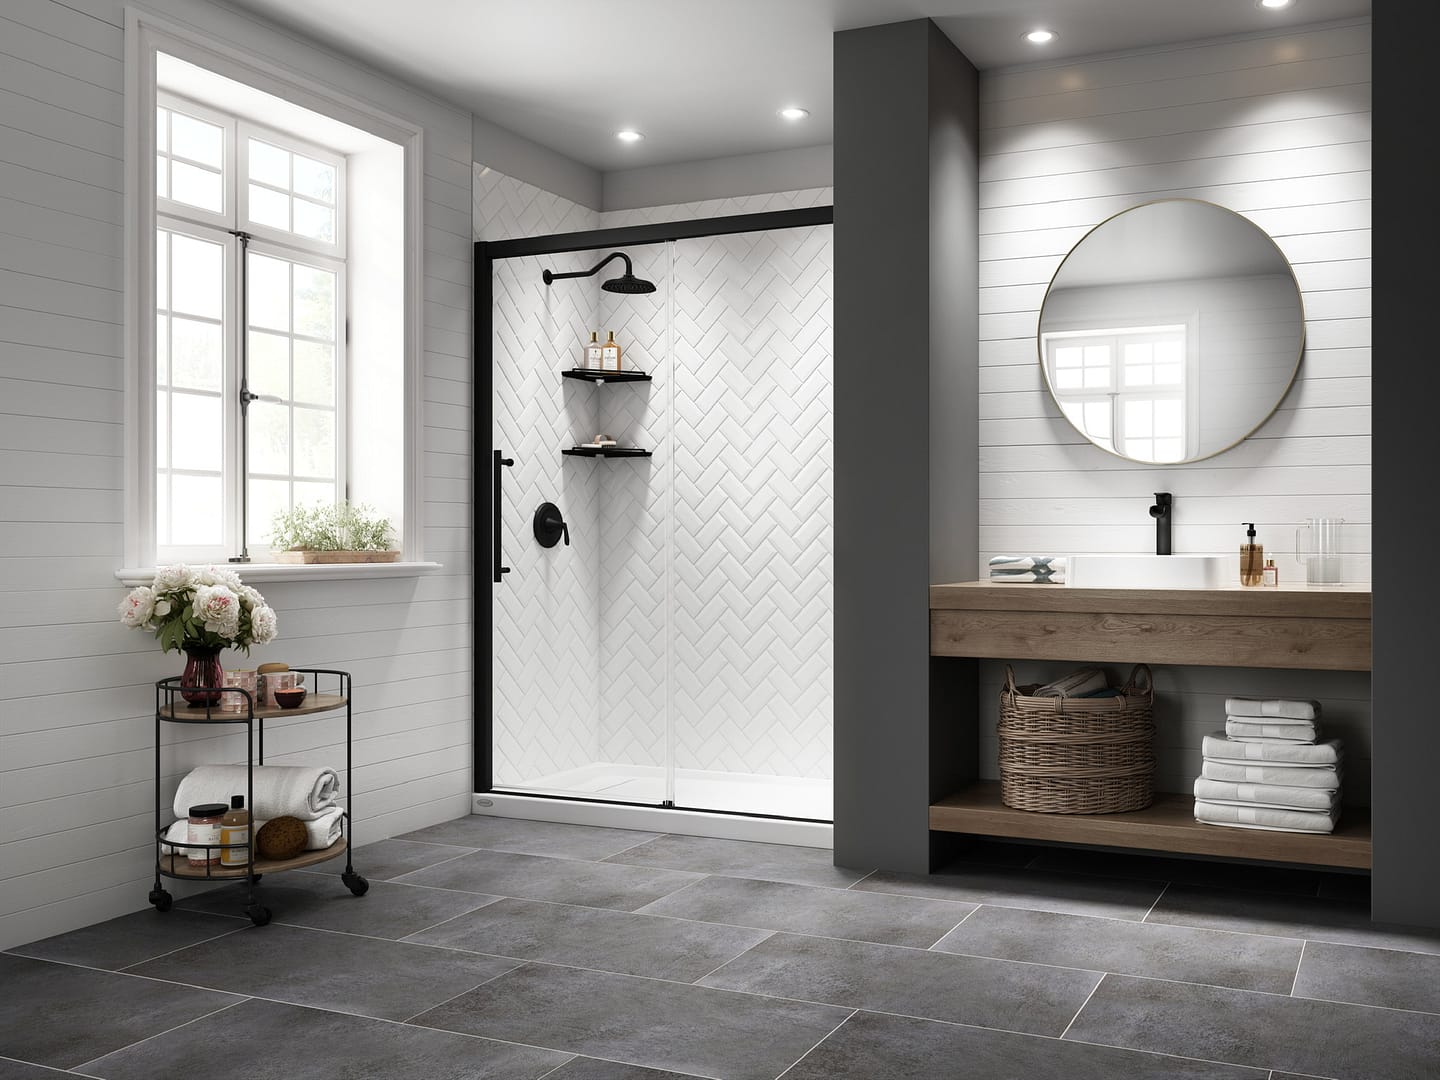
x=253 y=572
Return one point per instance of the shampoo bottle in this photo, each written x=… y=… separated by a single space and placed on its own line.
x=610 y=354
x=593 y=351
x=1252 y=558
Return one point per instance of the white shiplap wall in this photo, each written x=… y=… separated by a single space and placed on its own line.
x=1274 y=126
x=76 y=727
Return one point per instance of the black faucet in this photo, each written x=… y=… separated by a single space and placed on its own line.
x=1161 y=513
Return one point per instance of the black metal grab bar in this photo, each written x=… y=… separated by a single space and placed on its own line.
x=495 y=489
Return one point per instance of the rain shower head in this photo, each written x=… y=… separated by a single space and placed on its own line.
x=626 y=283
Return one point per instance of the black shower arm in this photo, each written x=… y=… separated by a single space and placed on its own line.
x=549 y=276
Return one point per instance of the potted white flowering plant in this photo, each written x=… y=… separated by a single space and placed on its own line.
x=200 y=610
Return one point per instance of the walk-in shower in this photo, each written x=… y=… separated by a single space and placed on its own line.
x=677 y=652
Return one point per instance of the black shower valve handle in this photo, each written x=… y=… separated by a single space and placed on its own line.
x=565 y=528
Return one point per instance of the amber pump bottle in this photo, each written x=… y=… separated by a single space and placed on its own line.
x=235 y=829
x=1252 y=558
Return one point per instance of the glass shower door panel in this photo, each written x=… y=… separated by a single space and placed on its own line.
x=753 y=528
x=547 y=658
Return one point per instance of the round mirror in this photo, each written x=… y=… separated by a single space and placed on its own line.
x=1171 y=331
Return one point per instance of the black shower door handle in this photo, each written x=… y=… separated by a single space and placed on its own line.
x=495 y=488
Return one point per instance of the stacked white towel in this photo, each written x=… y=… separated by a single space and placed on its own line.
x=1269 y=769
x=1030 y=569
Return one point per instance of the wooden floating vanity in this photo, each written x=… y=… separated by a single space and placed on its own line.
x=1315 y=628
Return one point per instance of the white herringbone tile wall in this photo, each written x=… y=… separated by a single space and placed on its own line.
x=705 y=569
x=753 y=503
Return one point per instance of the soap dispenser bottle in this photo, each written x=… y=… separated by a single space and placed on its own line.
x=592 y=351
x=1252 y=558
x=610 y=354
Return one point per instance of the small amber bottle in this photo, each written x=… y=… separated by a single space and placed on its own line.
x=1252 y=558
x=235 y=829
x=610 y=354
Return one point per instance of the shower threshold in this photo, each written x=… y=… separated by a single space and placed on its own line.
x=741 y=806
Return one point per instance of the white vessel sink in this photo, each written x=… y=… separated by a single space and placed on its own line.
x=1153 y=571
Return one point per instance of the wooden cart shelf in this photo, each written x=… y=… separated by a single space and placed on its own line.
x=179 y=866
x=313 y=703
x=1167 y=826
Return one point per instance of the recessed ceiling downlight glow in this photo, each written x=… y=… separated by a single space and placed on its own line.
x=1041 y=37
x=629 y=135
x=1275 y=5
x=794 y=112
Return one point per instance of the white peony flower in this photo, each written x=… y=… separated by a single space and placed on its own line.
x=137 y=607
x=175 y=578
x=250 y=596
x=263 y=624
x=219 y=609
x=162 y=608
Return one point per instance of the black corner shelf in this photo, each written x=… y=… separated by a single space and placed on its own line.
x=606 y=451
x=594 y=376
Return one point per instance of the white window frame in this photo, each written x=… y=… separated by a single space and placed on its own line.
x=147 y=34
x=244 y=132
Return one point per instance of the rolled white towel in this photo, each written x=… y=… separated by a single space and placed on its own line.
x=1280 y=798
x=1273 y=707
x=280 y=790
x=1028 y=577
x=1262 y=817
x=1253 y=730
x=1324 y=777
x=321 y=832
x=1218 y=747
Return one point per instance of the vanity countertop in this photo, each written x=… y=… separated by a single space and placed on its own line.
x=1295 y=626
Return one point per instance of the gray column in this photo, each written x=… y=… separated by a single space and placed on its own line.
x=905 y=431
x=1405 y=885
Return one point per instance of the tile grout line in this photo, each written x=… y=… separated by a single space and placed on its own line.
x=194 y=1019
x=947 y=933
x=732 y=959
x=1146 y=917
x=1082 y=1007
x=442 y=922
x=857 y=881
x=557 y=1068
x=802 y=1057
x=632 y=847
x=1298 y=964
x=160 y=956
x=462 y=993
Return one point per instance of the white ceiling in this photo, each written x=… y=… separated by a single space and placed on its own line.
x=704 y=78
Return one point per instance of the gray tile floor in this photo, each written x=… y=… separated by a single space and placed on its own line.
x=514 y=950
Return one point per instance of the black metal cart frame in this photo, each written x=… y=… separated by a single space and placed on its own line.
x=169 y=703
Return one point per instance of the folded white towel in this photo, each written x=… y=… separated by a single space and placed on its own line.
x=1324 y=777
x=1261 y=817
x=321 y=832
x=1028 y=577
x=1283 y=798
x=1217 y=747
x=1029 y=562
x=1268 y=707
x=1254 y=730
x=1076 y=684
x=280 y=790
x=1034 y=569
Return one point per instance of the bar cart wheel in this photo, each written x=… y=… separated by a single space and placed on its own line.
x=355 y=883
x=161 y=899
x=259 y=914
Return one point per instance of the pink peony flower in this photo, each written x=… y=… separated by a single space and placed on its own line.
x=137 y=607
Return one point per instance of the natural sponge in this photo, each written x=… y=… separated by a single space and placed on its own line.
x=281 y=838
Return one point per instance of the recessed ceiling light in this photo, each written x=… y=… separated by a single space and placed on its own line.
x=1274 y=5
x=794 y=112
x=629 y=135
x=1041 y=37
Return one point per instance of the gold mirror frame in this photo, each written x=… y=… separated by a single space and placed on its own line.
x=1289 y=382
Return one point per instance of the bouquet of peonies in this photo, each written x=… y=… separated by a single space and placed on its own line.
x=205 y=607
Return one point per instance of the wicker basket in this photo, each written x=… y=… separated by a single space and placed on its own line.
x=1077 y=755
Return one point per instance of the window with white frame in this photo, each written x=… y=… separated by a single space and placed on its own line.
x=1124 y=388
x=250 y=301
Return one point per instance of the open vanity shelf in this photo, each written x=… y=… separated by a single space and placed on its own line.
x=1298 y=627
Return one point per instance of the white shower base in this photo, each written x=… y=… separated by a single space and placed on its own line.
x=768 y=798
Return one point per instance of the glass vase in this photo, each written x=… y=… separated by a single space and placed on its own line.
x=202 y=673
